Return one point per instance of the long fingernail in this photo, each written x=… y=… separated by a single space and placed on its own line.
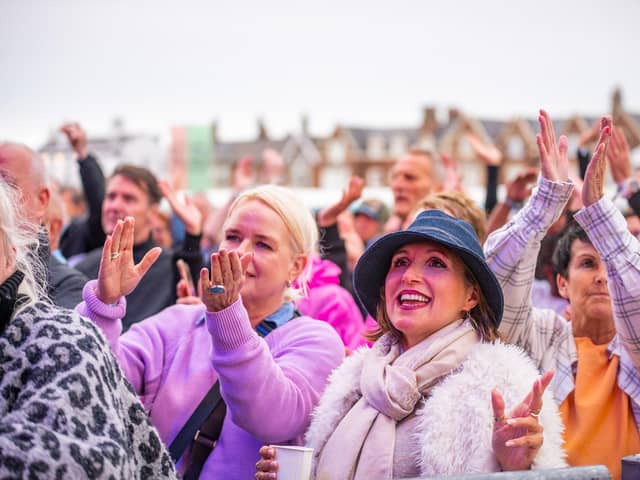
x=509 y=443
x=512 y=421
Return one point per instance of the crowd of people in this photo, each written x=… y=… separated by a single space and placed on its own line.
x=428 y=337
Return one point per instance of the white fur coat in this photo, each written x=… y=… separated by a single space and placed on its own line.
x=455 y=422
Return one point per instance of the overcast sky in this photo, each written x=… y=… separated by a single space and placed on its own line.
x=161 y=63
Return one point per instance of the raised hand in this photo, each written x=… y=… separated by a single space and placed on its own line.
x=119 y=275
x=243 y=176
x=267 y=466
x=453 y=177
x=554 y=163
x=184 y=208
x=77 y=138
x=227 y=277
x=517 y=438
x=519 y=189
x=272 y=166
x=488 y=153
x=593 y=187
x=619 y=156
x=329 y=215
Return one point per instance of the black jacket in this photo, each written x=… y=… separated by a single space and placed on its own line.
x=85 y=234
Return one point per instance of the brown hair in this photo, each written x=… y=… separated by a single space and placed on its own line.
x=143 y=178
x=458 y=205
x=481 y=318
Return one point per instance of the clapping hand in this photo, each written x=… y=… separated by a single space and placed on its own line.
x=221 y=288
x=517 y=438
x=554 y=163
x=184 y=208
x=119 y=275
x=619 y=156
x=593 y=187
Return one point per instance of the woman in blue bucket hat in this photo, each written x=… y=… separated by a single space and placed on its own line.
x=438 y=393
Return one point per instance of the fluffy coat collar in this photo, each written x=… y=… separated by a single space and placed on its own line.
x=458 y=406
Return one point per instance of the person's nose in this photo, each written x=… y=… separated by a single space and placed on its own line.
x=244 y=247
x=601 y=276
x=411 y=274
x=114 y=203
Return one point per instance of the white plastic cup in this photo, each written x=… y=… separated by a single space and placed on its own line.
x=294 y=463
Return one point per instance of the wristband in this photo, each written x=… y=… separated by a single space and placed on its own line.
x=513 y=204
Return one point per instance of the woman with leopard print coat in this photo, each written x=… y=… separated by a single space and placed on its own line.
x=66 y=411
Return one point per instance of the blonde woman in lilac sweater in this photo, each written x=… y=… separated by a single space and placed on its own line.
x=270 y=381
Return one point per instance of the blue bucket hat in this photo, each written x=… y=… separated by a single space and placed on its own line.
x=435 y=226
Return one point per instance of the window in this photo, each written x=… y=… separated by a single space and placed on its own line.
x=334 y=177
x=337 y=152
x=398 y=146
x=515 y=148
x=375 y=177
x=300 y=173
x=375 y=147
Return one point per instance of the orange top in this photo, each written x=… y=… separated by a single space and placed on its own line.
x=599 y=423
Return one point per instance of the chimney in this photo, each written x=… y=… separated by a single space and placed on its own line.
x=429 y=121
x=616 y=107
x=262 y=130
x=454 y=114
x=214 y=132
x=304 y=124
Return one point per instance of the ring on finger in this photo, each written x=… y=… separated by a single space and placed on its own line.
x=115 y=255
x=216 y=289
x=534 y=414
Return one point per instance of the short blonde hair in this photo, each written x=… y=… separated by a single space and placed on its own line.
x=20 y=244
x=458 y=205
x=302 y=229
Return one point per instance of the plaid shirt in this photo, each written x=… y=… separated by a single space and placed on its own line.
x=548 y=338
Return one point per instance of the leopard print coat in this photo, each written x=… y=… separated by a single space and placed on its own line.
x=66 y=411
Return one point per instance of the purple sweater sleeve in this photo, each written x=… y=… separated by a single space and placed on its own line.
x=285 y=372
x=140 y=351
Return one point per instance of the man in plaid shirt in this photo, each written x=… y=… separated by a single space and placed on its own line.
x=596 y=356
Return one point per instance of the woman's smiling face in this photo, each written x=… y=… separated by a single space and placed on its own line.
x=256 y=228
x=426 y=290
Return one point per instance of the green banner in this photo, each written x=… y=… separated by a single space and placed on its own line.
x=199 y=158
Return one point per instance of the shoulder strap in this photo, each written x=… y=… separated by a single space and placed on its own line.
x=202 y=411
x=205 y=424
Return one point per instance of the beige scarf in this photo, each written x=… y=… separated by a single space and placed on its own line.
x=392 y=383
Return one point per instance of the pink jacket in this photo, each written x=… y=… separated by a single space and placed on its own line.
x=329 y=302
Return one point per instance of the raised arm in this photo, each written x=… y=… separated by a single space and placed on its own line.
x=104 y=301
x=190 y=215
x=620 y=251
x=93 y=187
x=512 y=250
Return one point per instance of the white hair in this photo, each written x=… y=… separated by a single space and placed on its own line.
x=298 y=221
x=19 y=240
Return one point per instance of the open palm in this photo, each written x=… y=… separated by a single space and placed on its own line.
x=119 y=275
x=517 y=438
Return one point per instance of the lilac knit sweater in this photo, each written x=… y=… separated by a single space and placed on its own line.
x=270 y=385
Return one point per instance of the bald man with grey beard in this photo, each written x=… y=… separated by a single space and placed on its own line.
x=23 y=169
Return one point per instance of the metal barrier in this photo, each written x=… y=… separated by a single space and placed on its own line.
x=593 y=472
x=631 y=467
